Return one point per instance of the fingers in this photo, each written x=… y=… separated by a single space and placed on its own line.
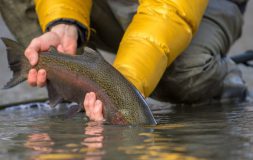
x=32 y=77
x=99 y=111
x=41 y=43
x=60 y=48
x=93 y=107
x=32 y=55
x=37 y=78
x=88 y=104
x=41 y=78
x=69 y=46
x=63 y=37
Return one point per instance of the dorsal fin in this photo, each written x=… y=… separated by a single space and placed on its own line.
x=90 y=55
x=53 y=50
x=92 y=51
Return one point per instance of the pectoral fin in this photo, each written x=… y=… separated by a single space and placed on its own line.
x=54 y=97
x=73 y=110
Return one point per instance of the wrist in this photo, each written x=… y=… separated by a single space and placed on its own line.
x=62 y=29
x=81 y=31
x=62 y=26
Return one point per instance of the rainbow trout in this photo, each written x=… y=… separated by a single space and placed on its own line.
x=69 y=78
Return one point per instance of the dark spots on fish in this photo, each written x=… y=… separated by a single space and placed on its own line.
x=119 y=119
x=73 y=76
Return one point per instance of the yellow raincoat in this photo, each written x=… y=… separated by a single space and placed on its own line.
x=158 y=33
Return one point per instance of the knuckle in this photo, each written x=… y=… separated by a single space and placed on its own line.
x=28 y=51
x=36 y=41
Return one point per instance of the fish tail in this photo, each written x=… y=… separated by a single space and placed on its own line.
x=17 y=62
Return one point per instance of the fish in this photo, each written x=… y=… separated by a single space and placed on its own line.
x=70 y=77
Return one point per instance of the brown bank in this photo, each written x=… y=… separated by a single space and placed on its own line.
x=70 y=77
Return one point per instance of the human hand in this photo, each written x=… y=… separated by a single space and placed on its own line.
x=62 y=36
x=93 y=107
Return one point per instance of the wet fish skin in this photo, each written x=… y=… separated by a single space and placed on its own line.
x=71 y=77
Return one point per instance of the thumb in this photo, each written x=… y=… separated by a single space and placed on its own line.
x=60 y=48
x=69 y=46
x=68 y=36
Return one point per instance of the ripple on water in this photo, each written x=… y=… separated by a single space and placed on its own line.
x=36 y=131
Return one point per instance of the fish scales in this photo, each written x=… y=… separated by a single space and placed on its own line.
x=70 y=77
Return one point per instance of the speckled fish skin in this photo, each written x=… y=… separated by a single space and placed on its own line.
x=71 y=77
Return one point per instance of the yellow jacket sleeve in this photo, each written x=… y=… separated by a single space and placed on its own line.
x=52 y=10
x=158 y=33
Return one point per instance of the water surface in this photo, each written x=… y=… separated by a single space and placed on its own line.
x=36 y=131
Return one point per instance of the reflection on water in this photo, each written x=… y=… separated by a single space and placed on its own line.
x=191 y=133
x=41 y=142
x=88 y=147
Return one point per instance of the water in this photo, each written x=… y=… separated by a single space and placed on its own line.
x=188 y=133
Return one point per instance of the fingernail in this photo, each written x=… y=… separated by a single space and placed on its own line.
x=93 y=94
x=43 y=72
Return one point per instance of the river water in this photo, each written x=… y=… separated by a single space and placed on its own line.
x=36 y=131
